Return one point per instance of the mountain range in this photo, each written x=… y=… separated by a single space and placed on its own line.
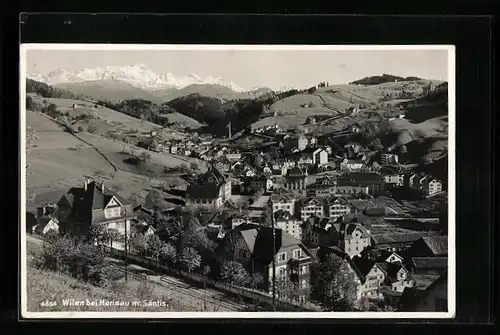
x=137 y=75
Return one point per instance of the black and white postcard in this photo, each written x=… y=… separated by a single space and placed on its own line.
x=237 y=181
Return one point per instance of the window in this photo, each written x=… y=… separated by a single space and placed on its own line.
x=303 y=284
x=282 y=257
x=281 y=272
x=304 y=270
x=297 y=253
x=112 y=212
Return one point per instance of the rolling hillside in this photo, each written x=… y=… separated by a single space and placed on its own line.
x=211 y=91
x=112 y=90
x=384 y=99
x=57 y=160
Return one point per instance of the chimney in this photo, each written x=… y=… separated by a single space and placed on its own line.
x=102 y=187
x=85 y=184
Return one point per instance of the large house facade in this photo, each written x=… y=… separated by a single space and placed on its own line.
x=92 y=204
x=211 y=189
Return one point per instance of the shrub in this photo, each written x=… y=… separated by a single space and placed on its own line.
x=145 y=291
x=92 y=129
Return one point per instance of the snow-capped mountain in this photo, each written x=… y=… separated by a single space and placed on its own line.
x=137 y=75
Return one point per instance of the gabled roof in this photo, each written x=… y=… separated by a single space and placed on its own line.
x=84 y=202
x=259 y=241
x=438 y=245
x=202 y=191
x=295 y=172
x=351 y=228
x=307 y=201
x=390 y=269
x=411 y=297
x=361 y=177
x=430 y=262
x=386 y=254
x=282 y=215
x=285 y=197
x=397 y=238
x=320 y=222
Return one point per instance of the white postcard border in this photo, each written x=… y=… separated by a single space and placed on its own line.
x=230 y=315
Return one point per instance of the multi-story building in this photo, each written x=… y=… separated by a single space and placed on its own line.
x=432 y=186
x=283 y=201
x=288 y=262
x=350 y=188
x=296 y=179
x=337 y=207
x=394 y=180
x=210 y=189
x=302 y=142
x=351 y=238
x=315 y=231
x=92 y=204
x=320 y=156
x=288 y=223
x=372 y=180
x=389 y=158
x=312 y=207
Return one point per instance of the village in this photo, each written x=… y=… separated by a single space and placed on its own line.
x=278 y=201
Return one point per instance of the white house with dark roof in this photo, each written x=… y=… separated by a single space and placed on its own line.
x=337 y=207
x=210 y=189
x=284 y=201
x=288 y=223
x=82 y=207
x=312 y=207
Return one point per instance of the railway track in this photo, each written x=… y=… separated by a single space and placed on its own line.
x=198 y=294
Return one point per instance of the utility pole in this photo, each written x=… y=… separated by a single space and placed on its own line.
x=126 y=246
x=274 y=261
x=229 y=129
x=204 y=288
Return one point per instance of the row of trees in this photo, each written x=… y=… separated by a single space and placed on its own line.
x=78 y=257
x=47 y=91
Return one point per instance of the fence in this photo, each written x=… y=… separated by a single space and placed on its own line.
x=138 y=276
x=248 y=293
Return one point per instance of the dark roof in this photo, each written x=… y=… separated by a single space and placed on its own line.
x=84 y=202
x=397 y=238
x=259 y=241
x=351 y=227
x=320 y=222
x=285 y=197
x=384 y=254
x=305 y=201
x=282 y=215
x=411 y=297
x=430 y=262
x=202 y=191
x=361 y=177
x=213 y=176
x=374 y=211
x=437 y=244
x=143 y=209
x=363 y=266
x=295 y=172
x=390 y=269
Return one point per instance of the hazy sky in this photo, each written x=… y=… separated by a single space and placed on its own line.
x=273 y=69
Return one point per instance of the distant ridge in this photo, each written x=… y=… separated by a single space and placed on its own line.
x=137 y=75
x=385 y=78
